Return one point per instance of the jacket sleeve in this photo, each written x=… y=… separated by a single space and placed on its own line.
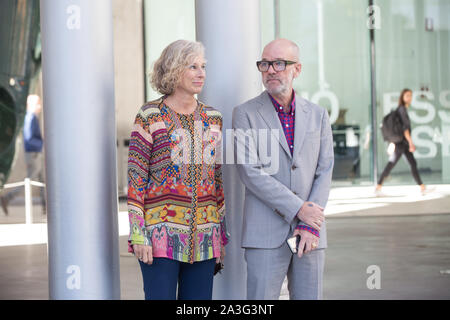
x=220 y=195
x=324 y=170
x=221 y=204
x=32 y=134
x=269 y=190
x=322 y=179
x=406 y=124
x=138 y=168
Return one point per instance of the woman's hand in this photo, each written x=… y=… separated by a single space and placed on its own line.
x=222 y=255
x=144 y=253
x=407 y=135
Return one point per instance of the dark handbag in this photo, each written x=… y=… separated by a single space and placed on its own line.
x=218 y=268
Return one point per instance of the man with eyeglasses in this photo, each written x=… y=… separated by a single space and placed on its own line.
x=289 y=202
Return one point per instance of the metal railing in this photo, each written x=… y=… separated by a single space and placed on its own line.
x=27 y=183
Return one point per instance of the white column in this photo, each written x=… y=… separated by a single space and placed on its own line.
x=230 y=31
x=80 y=146
x=28 y=202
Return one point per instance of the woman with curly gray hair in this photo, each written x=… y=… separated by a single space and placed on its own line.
x=176 y=202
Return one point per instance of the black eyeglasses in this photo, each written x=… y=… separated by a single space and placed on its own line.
x=277 y=65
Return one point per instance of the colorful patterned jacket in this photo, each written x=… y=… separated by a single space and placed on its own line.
x=182 y=221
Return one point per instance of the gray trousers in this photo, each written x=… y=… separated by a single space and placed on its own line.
x=35 y=171
x=35 y=165
x=267 y=269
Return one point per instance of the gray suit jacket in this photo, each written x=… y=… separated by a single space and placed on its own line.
x=276 y=183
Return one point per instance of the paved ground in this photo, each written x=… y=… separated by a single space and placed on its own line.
x=412 y=252
x=404 y=234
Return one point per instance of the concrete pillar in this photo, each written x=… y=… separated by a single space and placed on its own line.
x=230 y=31
x=80 y=146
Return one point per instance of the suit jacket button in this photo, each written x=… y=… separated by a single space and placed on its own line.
x=294 y=167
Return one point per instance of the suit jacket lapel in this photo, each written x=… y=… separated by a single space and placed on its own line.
x=302 y=113
x=270 y=116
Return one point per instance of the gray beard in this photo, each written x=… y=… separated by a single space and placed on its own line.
x=280 y=89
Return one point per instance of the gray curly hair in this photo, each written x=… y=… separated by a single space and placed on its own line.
x=171 y=64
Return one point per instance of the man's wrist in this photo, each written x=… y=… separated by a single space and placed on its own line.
x=309 y=229
x=299 y=213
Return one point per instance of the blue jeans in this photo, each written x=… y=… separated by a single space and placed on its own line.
x=195 y=281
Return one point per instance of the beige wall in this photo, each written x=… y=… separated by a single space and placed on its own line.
x=129 y=73
x=129 y=82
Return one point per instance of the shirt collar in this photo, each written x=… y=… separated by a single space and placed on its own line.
x=279 y=107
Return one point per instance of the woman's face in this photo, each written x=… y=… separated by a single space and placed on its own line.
x=407 y=98
x=193 y=78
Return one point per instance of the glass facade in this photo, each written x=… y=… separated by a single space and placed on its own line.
x=165 y=22
x=334 y=52
x=411 y=51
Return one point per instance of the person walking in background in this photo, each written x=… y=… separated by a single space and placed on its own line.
x=405 y=147
x=176 y=200
x=33 y=144
x=290 y=200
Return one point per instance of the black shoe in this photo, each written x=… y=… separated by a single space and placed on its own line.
x=4 y=203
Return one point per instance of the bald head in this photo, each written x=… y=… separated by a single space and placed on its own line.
x=281 y=49
x=279 y=83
